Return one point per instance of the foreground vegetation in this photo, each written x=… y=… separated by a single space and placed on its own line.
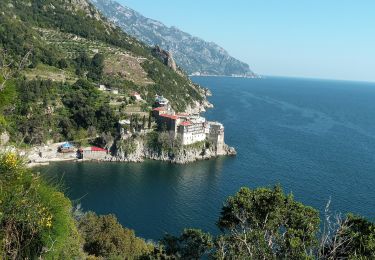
x=37 y=220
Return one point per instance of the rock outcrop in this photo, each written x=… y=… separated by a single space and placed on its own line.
x=183 y=156
x=165 y=57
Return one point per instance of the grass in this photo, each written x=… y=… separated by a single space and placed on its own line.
x=48 y=72
x=117 y=61
x=128 y=67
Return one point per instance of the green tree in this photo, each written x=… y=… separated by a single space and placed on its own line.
x=136 y=123
x=144 y=122
x=82 y=61
x=267 y=224
x=105 y=237
x=353 y=239
x=149 y=120
x=96 y=67
x=62 y=64
x=192 y=244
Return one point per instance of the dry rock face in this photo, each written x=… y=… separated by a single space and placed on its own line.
x=165 y=56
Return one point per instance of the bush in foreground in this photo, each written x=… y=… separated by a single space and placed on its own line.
x=268 y=224
x=36 y=221
x=35 y=218
x=105 y=237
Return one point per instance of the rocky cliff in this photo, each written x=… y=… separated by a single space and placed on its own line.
x=165 y=57
x=193 y=54
x=187 y=154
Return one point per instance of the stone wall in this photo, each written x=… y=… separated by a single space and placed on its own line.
x=95 y=155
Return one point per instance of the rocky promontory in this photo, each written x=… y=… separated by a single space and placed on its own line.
x=181 y=155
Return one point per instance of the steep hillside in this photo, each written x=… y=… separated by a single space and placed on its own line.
x=53 y=56
x=72 y=27
x=194 y=55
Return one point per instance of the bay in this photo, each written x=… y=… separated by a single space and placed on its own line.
x=314 y=137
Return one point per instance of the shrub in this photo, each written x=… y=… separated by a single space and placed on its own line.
x=105 y=237
x=35 y=218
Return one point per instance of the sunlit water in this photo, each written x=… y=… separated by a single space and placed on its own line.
x=316 y=138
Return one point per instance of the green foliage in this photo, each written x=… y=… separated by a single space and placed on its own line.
x=36 y=222
x=96 y=68
x=87 y=107
x=358 y=235
x=17 y=39
x=35 y=218
x=196 y=146
x=71 y=19
x=62 y=64
x=8 y=95
x=178 y=89
x=93 y=68
x=3 y=123
x=48 y=110
x=266 y=223
x=127 y=146
x=163 y=142
x=192 y=244
x=105 y=237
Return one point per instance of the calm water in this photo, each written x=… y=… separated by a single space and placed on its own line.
x=316 y=138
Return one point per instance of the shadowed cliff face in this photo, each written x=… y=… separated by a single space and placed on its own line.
x=194 y=55
x=165 y=56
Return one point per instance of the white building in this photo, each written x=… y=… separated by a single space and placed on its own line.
x=192 y=131
x=136 y=96
x=161 y=101
x=102 y=88
x=191 y=128
x=114 y=91
x=215 y=135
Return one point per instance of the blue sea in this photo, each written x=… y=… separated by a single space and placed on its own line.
x=314 y=137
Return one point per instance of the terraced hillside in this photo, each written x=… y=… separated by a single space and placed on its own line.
x=53 y=56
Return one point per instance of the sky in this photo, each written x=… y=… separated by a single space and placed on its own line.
x=332 y=39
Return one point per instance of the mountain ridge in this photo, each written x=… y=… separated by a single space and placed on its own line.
x=194 y=55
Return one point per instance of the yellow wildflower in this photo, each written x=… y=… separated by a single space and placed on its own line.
x=9 y=160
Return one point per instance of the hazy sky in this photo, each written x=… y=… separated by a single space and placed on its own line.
x=317 y=38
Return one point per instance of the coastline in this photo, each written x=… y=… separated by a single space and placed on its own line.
x=185 y=156
x=44 y=154
x=228 y=76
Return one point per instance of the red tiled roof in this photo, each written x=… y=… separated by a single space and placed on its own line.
x=186 y=123
x=169 y=116
x=98 y=149
x=158 y=108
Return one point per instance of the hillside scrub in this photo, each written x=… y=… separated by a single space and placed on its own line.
x=53 y=56
x=39 y=110
x=68 y=20
x=37 y=221
x=105 y=237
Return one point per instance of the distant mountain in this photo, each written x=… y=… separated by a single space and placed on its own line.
x=193 y=54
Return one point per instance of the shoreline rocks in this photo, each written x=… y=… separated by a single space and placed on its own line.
x=43 y=155
x=183 y=156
